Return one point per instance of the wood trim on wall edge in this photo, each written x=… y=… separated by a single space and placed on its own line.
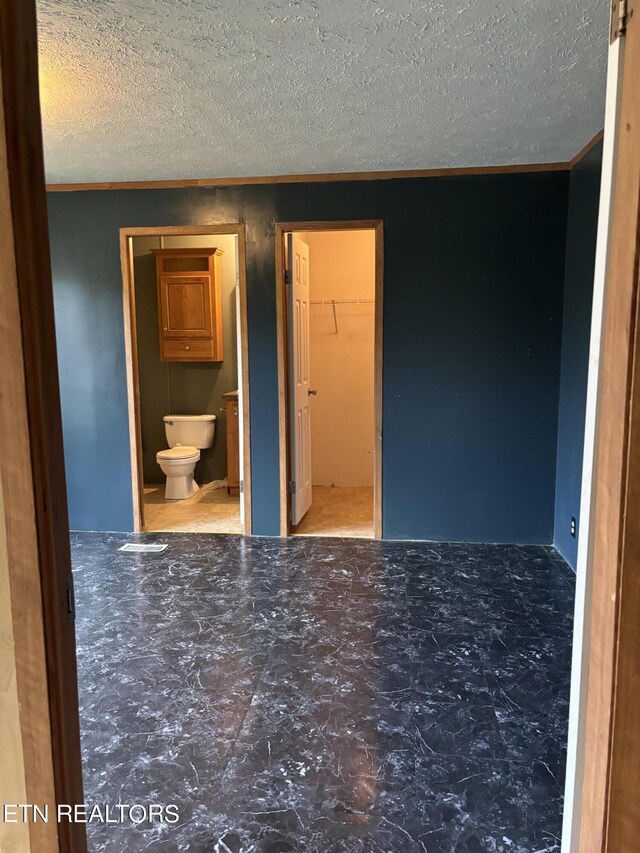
x=133 y=381
x=587 y=148
x=281 y=341
x=320 y=177
x=329 y=177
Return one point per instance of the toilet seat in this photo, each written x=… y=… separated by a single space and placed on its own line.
x=178 y=453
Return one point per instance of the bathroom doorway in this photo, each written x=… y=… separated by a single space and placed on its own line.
x=187 y=378
x=329 y=288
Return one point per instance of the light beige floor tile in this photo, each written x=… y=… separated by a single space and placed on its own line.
x=208 y=511
x=339 y=511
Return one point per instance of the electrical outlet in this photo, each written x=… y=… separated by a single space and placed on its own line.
x=574 y=526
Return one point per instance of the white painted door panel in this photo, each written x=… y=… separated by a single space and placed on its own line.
x=299 y=348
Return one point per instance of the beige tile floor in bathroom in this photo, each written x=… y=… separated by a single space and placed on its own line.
x=335 y=511
x=208 y=511
x=339 y=511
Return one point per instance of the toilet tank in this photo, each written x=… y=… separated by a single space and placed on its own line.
x=190 y=430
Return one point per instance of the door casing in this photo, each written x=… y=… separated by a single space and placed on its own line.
x=40 y=757
x=283 y=228
x=603 y=770
x=131 y=355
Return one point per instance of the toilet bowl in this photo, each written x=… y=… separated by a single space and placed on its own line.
x=178 y=464
x=186 y=436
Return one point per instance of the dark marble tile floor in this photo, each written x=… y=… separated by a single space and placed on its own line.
x=324 y=695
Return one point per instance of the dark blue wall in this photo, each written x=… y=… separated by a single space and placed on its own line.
x=472 y=332
x=584 y=195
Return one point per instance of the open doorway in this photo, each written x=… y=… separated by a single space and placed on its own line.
x=330 y=378
x=187 y=375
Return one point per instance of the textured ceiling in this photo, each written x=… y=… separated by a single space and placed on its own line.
x=142 y=89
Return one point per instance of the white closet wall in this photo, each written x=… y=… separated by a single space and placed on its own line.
x=342 y=266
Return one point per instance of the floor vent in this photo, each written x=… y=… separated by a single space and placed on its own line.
x=132 y=548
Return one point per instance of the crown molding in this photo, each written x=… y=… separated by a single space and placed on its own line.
x=328 y=177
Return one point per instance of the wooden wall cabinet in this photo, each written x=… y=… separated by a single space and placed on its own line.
x=189 y=304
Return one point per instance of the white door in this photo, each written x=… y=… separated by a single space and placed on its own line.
x=300 y=422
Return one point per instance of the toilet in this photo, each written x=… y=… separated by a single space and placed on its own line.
x=186 y=436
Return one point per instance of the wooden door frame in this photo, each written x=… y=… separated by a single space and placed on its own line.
x=39 y=731
x=603 y=773
x=283 y=228
x=131 y=354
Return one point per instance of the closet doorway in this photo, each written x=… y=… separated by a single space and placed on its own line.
x=329 y=289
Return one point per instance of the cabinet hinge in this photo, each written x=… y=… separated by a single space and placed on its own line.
x=292 y=487
x=242 y=487
x=71 y=599
x=287 y=277
x=621 y=12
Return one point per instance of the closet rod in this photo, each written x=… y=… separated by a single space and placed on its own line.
x=342 y=301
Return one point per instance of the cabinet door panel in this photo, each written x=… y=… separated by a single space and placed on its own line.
x=185 y=303
x=233 y=447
